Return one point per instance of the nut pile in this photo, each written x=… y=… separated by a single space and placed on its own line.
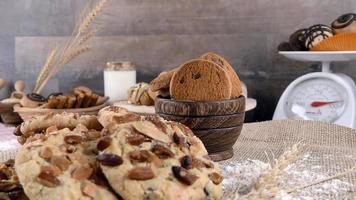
x=10 y=187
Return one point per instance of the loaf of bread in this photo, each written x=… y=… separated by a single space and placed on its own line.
x=200 y=80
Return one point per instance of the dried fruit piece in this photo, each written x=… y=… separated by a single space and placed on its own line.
x=135 y=139
x=141 y=173
x=73 y=139
x=162 y=151
x=183 y=175
x=103 y=143
x=139 y=156
x=188 y=162
x=180 y=141
x=216 y=178
x=109 y=159
x=47 y=179
x=46 y=153
x=90 y=189
x=61 y=162
x=82 y=172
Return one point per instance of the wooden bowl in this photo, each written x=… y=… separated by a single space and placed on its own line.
x=28 y=113
x=217 y=123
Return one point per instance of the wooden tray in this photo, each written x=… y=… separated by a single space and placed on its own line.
x=209 y=108
x=28 y=113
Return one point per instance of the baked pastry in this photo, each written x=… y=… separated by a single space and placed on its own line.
x=317 y=33
x=339 y=42
x=222 y=62
x=62 y=165
x=200 y=80
x=284 y=46
x=345 y=23
x=140 y=94
x=10 y=187
x=155 y=159
x=297 y=40
x=162 y=81
x=40 y=124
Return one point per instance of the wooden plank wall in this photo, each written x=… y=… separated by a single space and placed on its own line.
x=160 y=34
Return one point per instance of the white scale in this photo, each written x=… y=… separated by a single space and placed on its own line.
x=321 y=96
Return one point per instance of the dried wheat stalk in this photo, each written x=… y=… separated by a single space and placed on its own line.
x=74 y=47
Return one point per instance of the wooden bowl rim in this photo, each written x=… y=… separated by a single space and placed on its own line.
x=241 y=98
x=218 y=129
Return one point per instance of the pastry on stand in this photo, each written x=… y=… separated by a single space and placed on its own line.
x=345 y=23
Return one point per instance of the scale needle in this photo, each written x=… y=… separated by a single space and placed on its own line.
x=322 y=103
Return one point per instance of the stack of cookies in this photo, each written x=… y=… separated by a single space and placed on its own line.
x=131 y=157
x=208 y=78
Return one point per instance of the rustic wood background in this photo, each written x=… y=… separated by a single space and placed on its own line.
x=160 y=34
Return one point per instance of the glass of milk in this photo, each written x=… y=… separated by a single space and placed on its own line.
x=118 y=78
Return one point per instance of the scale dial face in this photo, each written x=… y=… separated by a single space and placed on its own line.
x=320 y=99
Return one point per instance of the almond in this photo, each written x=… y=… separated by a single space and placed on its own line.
x=141 y=173
x=46 y=153
x=126 y=118
x=82 y=172
x=150 y=130
x=51 y=129
x=188 y=162
x=73 y=139
x=162 y=151
x=93 y=134
x=52 y=169
x=47 y=179
x=107 y=159
x=216 y=178
x=183 y=175
x=139 y=156
x=90 y=189
x=61 y=162
x=157 y=122
x=135 y=139
x=103 y=143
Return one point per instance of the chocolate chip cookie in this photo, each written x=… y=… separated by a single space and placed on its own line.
x=200 y=80
x=155 y=159
x=62 y=165
x=222 y=62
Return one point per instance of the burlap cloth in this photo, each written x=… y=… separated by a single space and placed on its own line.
x=333 y=145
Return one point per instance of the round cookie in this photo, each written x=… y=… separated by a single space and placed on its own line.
x=62 y=165
x=156 y=159
x=345 y=23
x=200 y=80
x=162 y=81
x=222 y=62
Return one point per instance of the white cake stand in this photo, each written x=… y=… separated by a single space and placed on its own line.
x=324 y=84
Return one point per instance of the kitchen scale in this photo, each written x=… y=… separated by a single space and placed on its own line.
x=322 y=96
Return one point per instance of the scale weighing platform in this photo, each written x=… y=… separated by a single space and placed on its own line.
x=322 y=96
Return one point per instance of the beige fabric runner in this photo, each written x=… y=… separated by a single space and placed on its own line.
x=332 y=146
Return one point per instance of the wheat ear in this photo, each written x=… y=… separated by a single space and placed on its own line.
x=73 y=54
x=89 y=19
x=267 y=186
x=45 y=69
